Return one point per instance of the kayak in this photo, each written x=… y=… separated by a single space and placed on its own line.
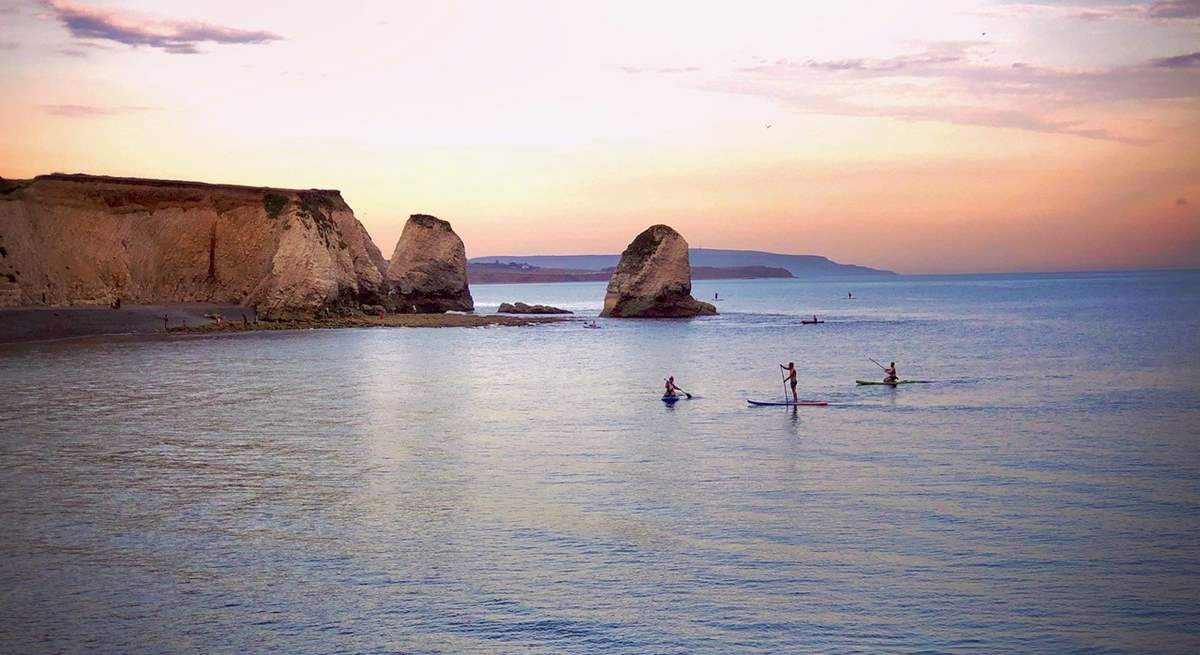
x=787 y=403
x=810 y=322
x=672 y=399
x=891 y=384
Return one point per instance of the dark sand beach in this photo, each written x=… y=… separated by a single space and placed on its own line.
x=47 y=323
x=23 y=324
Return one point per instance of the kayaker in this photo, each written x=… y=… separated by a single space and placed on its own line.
x=889 y=374
x=791 y=378
x=672 y=390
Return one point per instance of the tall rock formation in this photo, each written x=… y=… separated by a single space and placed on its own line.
x=654 y=279
x=428 y=270
x=84 y=240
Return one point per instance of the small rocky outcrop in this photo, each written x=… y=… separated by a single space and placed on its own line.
x=654 y=279
x=522 y=308
x=428 y=270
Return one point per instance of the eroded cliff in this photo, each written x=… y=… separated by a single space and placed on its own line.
x=84 y=240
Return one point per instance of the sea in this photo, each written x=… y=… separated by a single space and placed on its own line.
x=526 y=490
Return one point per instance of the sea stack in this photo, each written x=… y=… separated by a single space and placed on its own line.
x=654 y=279
x=91 y=240
x=428 y=270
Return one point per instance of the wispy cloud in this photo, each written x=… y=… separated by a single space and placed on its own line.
x=635 y=70
x=1179 y=61
x=1174 y=9
x=957 y=83
x=174 y=36
x=1159 y=11
x=90 y=111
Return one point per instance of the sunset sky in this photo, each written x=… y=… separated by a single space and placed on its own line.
x=924 y=137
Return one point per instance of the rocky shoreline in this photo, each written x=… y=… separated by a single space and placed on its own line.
x=294 y=257
x=388 y=320
x=32 y=324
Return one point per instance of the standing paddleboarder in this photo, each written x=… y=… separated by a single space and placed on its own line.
x=791 y=378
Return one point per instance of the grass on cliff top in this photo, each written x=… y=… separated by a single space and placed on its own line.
x=274 y=203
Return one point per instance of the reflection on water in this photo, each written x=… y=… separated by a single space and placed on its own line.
x=501 y=490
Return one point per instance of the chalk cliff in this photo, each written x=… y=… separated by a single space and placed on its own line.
x=654 y=279
x=84 y=240
x=428 y=270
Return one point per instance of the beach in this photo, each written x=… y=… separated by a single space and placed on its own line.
x=23 y=324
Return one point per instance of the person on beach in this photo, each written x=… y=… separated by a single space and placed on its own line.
x=889 y=374
x=671 y=390
x=791 y=378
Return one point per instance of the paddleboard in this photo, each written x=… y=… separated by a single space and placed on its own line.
x=891 y=384
x=788 y=403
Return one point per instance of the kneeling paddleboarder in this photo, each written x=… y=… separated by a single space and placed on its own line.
x=673 y=391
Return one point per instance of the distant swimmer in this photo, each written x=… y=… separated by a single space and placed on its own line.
x=890 y=376
x=791 y=378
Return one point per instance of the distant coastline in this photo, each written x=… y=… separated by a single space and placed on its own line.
x=799 y=266
x=521 y=273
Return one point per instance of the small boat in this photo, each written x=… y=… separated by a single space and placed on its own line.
x=810 y=322
x=892 y=384
x=787 y=403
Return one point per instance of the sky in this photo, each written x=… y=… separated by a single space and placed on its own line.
x=924 y=137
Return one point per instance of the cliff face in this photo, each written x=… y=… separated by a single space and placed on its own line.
x=428 y=270
x=83 y=240
x=654 y=279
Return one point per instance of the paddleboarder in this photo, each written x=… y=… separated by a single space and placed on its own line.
x=791 y=379
x=889 y=374
x=671 y=390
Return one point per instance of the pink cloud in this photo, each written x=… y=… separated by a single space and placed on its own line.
x=954 y=83
x=174 y=36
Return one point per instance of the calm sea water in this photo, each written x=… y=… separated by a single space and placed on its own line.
x=510 y=490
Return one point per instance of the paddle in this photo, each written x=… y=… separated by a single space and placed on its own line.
x=689 y=396
x=877 y=364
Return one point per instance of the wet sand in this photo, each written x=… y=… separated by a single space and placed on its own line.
x=22 y=324
x=390 y=320
x=47 y=323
